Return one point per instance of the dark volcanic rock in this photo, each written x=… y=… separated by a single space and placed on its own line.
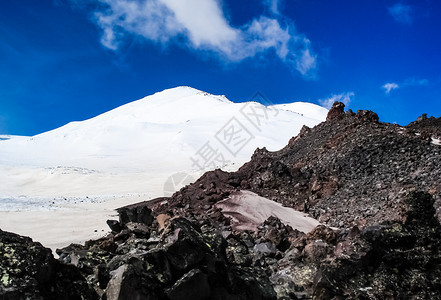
x=192 y=285
x=114 y=225
x=400 y=260
x=184 y=262
x=129 y=282
x=427 y=127
x=29 y=271
x=337 y=112
x=186 y=247
x=136 y=213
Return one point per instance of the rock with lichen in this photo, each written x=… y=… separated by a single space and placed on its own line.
x=29 y=271
x=183 y=261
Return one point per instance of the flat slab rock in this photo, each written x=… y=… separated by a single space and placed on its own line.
x=248 y=210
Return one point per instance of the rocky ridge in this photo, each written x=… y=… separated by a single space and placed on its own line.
x=350 y=170
x=375 y=187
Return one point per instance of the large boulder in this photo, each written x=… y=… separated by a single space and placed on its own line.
x=136 y=213
x=29 y=271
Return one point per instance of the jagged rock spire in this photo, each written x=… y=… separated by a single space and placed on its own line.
x=337 y=111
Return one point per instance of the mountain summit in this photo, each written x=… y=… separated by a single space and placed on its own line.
x=147 y=133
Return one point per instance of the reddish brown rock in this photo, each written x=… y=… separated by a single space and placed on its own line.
x=337 y=112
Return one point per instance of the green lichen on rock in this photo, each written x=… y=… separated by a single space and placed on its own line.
x=29 y=271
x=5 y=278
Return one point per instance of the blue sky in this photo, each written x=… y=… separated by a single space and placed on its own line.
x=69 y=60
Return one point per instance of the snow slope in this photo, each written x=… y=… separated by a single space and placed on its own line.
x=74 y=176
x=159 y=134
x=248 y=210
x=308 y=110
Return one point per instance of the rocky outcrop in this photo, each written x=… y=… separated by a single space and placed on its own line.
x=348 y=172
x=398 y=260
x=29 y=271
x=180 y=259
x=427 y=127
x=177 y=259
x=183 y=260
x=337 y=112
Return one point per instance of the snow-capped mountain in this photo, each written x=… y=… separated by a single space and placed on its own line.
x=70 y=180
x=176 y=130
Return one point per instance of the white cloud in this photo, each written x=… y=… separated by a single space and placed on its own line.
x=388 y=87
x=402 y=13
x=307 y=62
x=148 y=19
x=203 y=21
x=345 y=98
x=202 y=25
x=273 y=6
x=262 y=34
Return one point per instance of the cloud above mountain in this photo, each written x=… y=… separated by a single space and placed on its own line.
x=201 y=26
x=390 y=86
x=409 y=82
x=344 y=98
